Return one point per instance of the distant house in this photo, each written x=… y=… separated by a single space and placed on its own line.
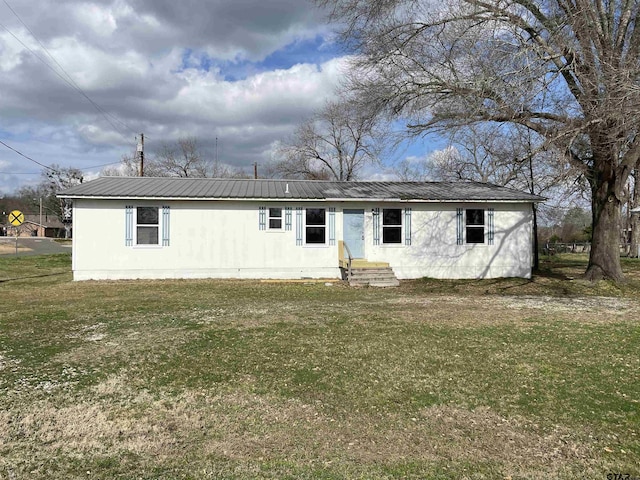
x=126 y=228
x=51 y=227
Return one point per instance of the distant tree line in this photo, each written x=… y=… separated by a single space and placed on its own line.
x=182 y=158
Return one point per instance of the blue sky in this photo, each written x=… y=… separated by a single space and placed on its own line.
x=306 y=50
x=244 y=73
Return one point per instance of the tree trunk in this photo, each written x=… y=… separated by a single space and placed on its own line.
x=635 y=217
x=536 y=246
x=604 y=260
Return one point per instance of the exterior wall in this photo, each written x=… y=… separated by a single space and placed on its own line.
x=207 y=240
x=434 y=251
x=222 y=239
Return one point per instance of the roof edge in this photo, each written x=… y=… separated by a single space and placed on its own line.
x=297 y=199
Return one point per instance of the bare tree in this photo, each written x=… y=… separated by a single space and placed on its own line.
x=567 y=70
x=53 y=180
x=184 y=158
x=478 y=153
x=439 y=165
x=335 y=144
x=130 y=167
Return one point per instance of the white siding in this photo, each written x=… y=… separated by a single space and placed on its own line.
x=222 y=240
x=434 y=252
x=208 y=240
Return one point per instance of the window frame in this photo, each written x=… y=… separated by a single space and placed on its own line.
x=157 y=226
x=275 y=218
x=475 y=226
x=322 y=226
x=392 y=226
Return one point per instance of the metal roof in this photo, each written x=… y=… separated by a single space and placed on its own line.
x=245 y=189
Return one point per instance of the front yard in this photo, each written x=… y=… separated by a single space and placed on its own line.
x=235 y=379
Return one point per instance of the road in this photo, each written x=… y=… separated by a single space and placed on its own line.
x=31 y=246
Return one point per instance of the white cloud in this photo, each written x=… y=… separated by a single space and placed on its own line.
x=131 y=57
x=14 y=47
x=98 y=18
x=268 y=95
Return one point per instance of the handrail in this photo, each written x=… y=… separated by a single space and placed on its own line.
x=350 y=260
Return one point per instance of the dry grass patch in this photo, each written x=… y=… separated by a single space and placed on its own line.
x=456 y=310
x=99 y=344
x=245 y=427
x=603 y=307
x=8 y=248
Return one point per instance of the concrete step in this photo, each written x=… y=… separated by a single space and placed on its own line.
x=375 y=277
x=372 y=271
x=368 y=280
x=375 y=283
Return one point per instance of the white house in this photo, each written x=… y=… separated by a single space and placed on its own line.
x=143 y=227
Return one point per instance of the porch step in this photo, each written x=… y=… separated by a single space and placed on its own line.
x=373 y=276
x=362 y=263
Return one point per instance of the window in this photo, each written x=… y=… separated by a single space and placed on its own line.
x=475 y=225
x=275 y=218
x=315 y=225
x=391 y=225
x=147 y=225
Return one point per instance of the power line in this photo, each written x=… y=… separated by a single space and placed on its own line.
x=37 y=40
x=103 y=164
x=69 y=80
x=27 y=157
x=69 y=84
x=46 y=166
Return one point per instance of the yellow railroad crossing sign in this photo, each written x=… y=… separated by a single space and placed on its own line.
x=16 y=218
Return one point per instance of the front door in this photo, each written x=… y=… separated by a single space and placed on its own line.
x=353 y=228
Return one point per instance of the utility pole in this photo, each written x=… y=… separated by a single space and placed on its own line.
x=255 y=170
x=141 y=152
x=42 y=230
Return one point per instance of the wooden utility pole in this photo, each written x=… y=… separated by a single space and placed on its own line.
x=255 y=170
x=141 y=152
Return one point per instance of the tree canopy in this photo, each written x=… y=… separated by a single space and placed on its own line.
x=567 y=70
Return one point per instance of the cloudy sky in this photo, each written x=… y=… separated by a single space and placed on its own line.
x=244 y=72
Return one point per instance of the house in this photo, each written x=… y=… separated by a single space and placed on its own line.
x=142 y=227
x=51 y=227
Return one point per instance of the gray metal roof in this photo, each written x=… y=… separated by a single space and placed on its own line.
x=245 y=189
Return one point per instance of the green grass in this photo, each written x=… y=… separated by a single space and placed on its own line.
x=230 y=379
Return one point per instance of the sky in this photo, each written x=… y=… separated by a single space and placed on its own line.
x=81 y=80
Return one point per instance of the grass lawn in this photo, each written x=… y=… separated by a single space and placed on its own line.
x=506 y=379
